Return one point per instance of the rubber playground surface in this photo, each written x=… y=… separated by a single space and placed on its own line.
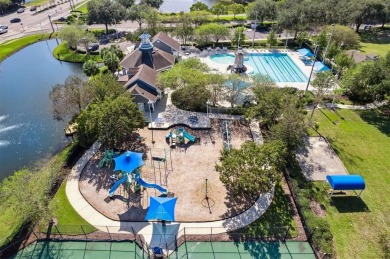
x=127 y=249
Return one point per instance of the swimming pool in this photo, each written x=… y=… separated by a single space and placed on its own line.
x=279 y=66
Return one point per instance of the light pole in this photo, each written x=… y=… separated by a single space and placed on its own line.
x=327 y=46
x=254 y=32
x=312 y=67
x=52 y=27
x=151 y=120
x=285 y=45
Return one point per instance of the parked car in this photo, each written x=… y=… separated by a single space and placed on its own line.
x=103 y=41
x=3 y=30
x=33 y=9
x=15 y=20
x=93 y=47
x=20 y=10
x=62 y=19
x=4 y=27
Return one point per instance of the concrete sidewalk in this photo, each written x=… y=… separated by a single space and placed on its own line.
x=105 y=224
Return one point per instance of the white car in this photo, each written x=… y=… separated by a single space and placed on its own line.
x=3 y=30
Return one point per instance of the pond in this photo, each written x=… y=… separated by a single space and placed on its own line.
x=176 y=6
x=27 y=129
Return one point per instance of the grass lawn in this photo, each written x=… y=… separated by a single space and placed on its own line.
x=12 y=46
x=362 y=141
x=67 y=218
x=36 y=2
x=277 y=215
x=376 y=41
x=65 y=54
x=82 y=7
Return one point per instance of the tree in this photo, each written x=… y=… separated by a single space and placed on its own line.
x=4 y=4
x=102 y=86
x=184 y=28
x=188 y=72
x=271 y=39
x=114 y=49
x=291 y=127
x=126 y=3
x=199 y=6
x=105 y=11
x=236 y=9
x=368 y=81
x=322 y=83
x=111 y=60
x=342 y=36
x=138 y=13
x=215 y=87
x=252 y=169
x=261 y=10
x=86 y=39
x=152 y=3
x=71 y=34
x=234 y=88
x=343 y=62
x=302 y=37
x=153 y=20
x=91 y=68
x=191 y=97
x=199 y=17
x=238 y=36
x=211 y=31
x=67 y=99
x=293 y=16
x=111 y=122
x=219 y=9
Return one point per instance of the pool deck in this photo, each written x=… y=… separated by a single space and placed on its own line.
x=222 y=68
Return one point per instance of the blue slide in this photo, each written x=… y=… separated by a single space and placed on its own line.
x=188 y=136
x=149 y=185
x=116 y=185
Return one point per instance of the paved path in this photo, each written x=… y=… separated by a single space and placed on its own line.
x=154 y=233
x=368 y=106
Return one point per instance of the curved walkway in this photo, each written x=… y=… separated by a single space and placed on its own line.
x=147 y=229
x=368 y=106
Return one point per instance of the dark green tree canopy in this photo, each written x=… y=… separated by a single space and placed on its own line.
x=105 y=12
x=262 y=9
x=199 y=6
x=152 y=3
x=112 y=121
x=252 y=169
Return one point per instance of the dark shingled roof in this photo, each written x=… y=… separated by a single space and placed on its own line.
x=159 y=60
x=162 y=36
x=143 y=81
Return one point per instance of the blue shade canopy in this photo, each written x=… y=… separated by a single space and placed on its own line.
x=346 y=182
x=161 y=209
x=305 y=52
x=128 y=161
x=320 y=67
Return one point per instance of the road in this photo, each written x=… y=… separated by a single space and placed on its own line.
x=32 y=22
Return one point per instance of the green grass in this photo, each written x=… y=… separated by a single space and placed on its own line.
x=277 y=215
x=10 y=47
x=65 y=54
x=10 y=220
x=374 y=48
x=362 y=141
x=375 y=41
x=82 y=8
x=36 y=2
x=67 y=218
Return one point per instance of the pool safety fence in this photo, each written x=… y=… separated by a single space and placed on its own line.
x=227 y=110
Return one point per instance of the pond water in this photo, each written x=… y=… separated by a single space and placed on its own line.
x=27 y=129
x=176 y=6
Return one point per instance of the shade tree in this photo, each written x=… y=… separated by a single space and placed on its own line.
x=105 y=12
x=199 y=6
x=91 y=68
x=236 y=9
x=261 y=10
x=211 y=32
x=219 y=9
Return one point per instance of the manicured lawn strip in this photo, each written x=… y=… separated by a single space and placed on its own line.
x=68 y=220
x=65 y=54
x=373 y=48
x=36 y=2
x=82 y=8
x=361 y=139
x=277 y=215
x=10 y=220
x=10 y=47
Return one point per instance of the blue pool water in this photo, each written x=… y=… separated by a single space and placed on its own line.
x=278 y=66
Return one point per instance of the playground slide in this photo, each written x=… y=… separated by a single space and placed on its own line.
x=188 y=136
x=116 y=185
x=150 y=185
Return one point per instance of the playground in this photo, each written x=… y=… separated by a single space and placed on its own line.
x=176 y=165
